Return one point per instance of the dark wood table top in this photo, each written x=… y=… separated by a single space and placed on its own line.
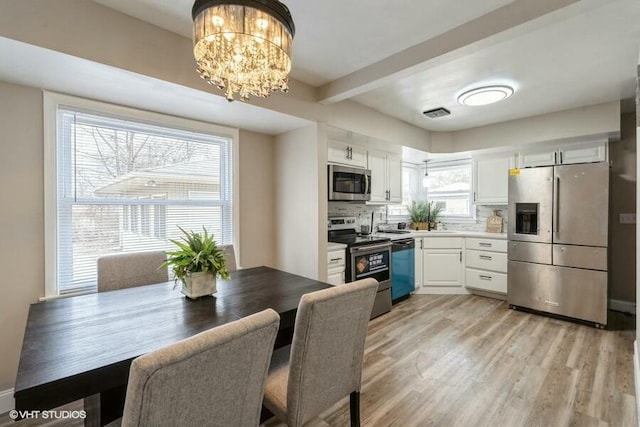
x=79 y=346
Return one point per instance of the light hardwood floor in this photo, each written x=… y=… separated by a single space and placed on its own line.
x=444 y=360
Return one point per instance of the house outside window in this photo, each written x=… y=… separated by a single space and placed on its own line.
x=123 y=185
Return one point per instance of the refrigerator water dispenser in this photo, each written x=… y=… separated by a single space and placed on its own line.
x=527 y=218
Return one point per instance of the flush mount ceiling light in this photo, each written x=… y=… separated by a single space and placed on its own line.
x=485 y=95
x=243 y=46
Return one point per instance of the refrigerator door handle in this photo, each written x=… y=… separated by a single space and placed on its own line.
x=556 y=205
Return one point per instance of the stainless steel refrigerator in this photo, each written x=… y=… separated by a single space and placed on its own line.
x=558 y=236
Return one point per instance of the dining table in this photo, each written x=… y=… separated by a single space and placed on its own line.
x=83 y=346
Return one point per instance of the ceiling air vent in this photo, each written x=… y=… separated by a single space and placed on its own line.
x=436 y=112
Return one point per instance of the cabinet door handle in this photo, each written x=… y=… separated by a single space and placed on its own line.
x=474 y=196
x=561 y=157
x=486 y=245
x=335 y=259
x=484 y=277
x=487 y=257
x=350 y=153
x=460 y=256
x=555 y=157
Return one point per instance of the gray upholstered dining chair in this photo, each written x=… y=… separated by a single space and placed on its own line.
x=230 y=257
x=325 y=361
x=215 y=378
x=128 y=270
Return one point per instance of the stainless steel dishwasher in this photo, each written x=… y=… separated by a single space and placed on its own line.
x=403 y=269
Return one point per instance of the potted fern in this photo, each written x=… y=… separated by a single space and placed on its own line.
x=197 y=263
x=418 y=211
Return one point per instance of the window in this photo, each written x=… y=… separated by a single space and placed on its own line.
x=450 y=186
x=124 y=185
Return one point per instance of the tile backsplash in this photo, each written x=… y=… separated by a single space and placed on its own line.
x=363 y=212
x=482 y=213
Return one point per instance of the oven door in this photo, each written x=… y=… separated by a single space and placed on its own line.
x=347 y=183
x=371 y=261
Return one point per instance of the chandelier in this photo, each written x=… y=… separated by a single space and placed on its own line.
x=243 y=46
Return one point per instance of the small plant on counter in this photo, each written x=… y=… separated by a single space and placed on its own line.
x=434 y=210
x=419 y=213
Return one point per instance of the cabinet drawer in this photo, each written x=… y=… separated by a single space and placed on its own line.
x=335 y=278
x=336 y=258
x=572 y=292
x=486 y=280
x=483 y=260
x=493 y=245
x=442 y=242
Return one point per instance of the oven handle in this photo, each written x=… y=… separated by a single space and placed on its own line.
x=370 y=248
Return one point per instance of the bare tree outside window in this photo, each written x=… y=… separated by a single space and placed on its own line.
x=127 y=187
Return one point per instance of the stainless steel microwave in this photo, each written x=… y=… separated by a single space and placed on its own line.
x=351 y=184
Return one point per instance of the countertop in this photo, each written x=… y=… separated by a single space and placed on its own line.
x=446 y=233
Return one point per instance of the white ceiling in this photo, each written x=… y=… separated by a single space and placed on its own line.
x=407 y=56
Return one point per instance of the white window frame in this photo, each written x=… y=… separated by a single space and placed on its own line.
x=451 y=164
x=51 y=102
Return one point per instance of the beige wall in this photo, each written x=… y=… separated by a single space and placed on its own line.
x=622 y=276
x=257 y=200
x=22 y=213
x=21 y=219
x=297 y=201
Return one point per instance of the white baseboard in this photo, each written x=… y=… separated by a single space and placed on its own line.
x=636 y=374
x=623 y=306
x=6 y=401
x=442 y=290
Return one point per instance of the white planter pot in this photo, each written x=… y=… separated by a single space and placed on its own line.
x=198 y=285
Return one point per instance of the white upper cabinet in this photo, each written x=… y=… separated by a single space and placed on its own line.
x=583 y=153
x=386 y=177
x=378 y=166
x=395 y=178
x=534 y=158
x=589 y=152
x=491 y=178
x=347 y=154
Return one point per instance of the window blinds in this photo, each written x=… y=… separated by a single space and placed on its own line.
x=125 y=186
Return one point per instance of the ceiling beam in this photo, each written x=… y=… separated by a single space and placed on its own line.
x=438 y=49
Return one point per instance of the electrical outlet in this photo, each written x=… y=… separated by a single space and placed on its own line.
x=627 y=218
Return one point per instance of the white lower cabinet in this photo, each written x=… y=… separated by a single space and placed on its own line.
x=486 y=265
x=486 y=280
x=335 y=277
x=439 y=265
x=442 y=267
x=336 y=263
x=460 y=265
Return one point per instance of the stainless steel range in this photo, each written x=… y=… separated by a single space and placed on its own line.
x=367 y=256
